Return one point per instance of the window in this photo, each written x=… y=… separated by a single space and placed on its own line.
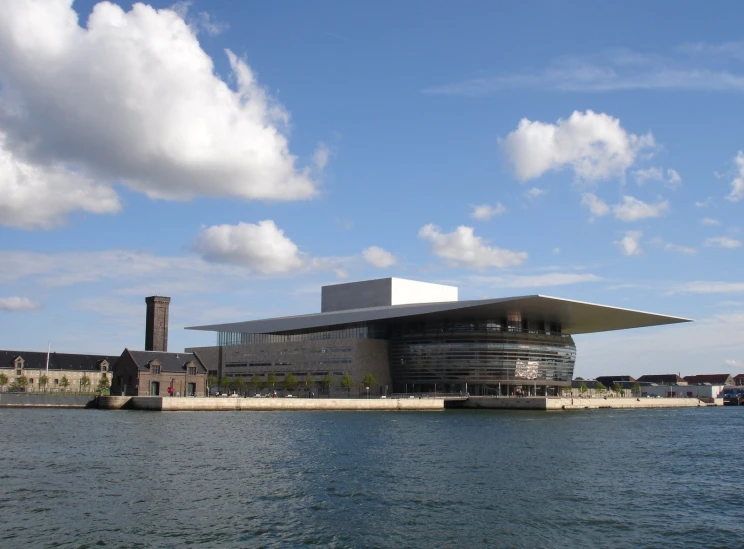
x=19 y=372
x=154 y=368
x=31 y=380
x=191 y=370
x=56 y=382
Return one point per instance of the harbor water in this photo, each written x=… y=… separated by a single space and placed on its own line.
x=608 y=478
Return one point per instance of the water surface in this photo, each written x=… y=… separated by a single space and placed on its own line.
x=607 y=478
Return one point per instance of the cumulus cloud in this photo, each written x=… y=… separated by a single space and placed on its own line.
x=262 y=247
x=534 y=193
x=593 y=145
x=672 y=177
x=131 y=98
x=537 y=281
x=18 y=304
x=462 y=247
x=722 y=242
x=630 y=244
x=633 y=209
x=737 y=185
x=709 y=221
x=35 y=196
x=378 y=257
x=484 y=212
x=596 y=205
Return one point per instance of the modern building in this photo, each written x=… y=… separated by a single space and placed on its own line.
x=418 y=337
x=54 y=372
x=661 y=379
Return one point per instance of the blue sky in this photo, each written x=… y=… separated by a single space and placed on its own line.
x=237 y=156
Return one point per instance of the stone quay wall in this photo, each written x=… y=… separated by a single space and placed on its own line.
x=542 y=403
x=255 y=404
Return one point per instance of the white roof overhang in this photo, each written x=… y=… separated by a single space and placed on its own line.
x=575 y=317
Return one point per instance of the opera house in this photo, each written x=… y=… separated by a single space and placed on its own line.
x=417 y=337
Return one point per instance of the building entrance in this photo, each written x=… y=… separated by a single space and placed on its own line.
x=154 y=388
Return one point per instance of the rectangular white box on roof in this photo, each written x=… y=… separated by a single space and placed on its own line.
x=383 y=292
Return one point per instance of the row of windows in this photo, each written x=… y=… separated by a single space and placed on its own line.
x=357 y=330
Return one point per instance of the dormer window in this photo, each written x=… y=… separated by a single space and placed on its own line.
x=154 y=367
x=190 y=369
x=104 y=365
x=18 y=364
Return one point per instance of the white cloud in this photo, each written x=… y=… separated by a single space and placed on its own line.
x=630 y=243
x=534 y=193
x=709 y=221
x=536 y=281
x=722 y=242
x=704 y=203
x=709 y=287
x=321 y=156
x=737 y=185
x=679 y=248
x=633 y=209
x=462 y=247
x=17 y=304
x=673 y=178
x=613 y=70
x=132 y=98
x=596 y=205
x=378 y=257
x=262 y=248
x=556 y=250
x=734 y=363
x=484 y=212
x=593 y=145
x=648 y=174
x=41 y=196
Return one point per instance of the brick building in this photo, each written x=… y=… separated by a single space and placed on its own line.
x=155 y=373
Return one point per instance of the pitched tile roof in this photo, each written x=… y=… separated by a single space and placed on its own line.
x=57 y=361
x=169 y=362
x=713 y=379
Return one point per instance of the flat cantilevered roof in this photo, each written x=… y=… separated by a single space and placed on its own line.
x=575 y=317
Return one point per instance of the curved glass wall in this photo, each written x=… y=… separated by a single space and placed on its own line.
x=503 y=356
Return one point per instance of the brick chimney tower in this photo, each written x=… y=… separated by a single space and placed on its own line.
x=156 y=323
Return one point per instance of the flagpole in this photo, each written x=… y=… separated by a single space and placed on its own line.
x=49 y=348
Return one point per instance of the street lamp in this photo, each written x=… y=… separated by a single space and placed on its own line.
x=367 y=391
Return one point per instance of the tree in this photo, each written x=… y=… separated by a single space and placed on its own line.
x=309 y=381
x=369 y=381
x=211 y=381
x=224 y=383
x=21 y=382
x=635 y=390
x=84 y=383
x=327 y=382
x=600 y=387
x=103 y=383
x=3 y=381
x=64 y=382
x=618 y=389
x=579 y=378
x=43 y=381
x=271 y=379
x=347 y=382
x=290 y=382
x=239 y=385
x=256 y=383
x=583 y=388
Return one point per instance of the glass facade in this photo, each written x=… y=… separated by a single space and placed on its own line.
x=502 y=356
x=359 y=330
